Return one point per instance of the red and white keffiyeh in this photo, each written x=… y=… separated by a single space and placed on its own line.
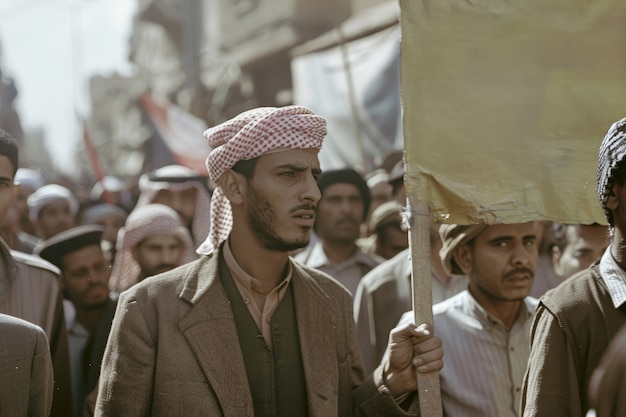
x=143 y=222
x=247 y=136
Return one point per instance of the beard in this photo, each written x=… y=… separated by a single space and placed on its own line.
x=262 y=221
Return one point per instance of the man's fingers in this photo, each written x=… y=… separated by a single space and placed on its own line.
x=434 y=366
x=429 y=361
x=428 y=345
x=422 y=332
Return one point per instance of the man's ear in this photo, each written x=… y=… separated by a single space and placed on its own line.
x=556 y=260
x=463 y=257
x=612 y=203
x=135 y=252
x=233 y=186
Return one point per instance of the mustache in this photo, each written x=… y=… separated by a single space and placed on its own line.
x=94 y=285
x=519 y=271
x=303 y=207
x=350 y=219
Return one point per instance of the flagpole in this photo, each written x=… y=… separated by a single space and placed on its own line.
x=419 y=220
x=93 y=158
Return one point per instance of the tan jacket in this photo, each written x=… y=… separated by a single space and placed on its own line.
x=174 y=351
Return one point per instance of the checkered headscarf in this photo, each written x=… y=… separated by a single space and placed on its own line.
x=612 y=151
x=247 y=136
x=143 y=222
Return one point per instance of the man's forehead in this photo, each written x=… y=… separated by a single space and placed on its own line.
x=168 y=192
x=516 y=229
x=6 y=167
x=341 y=188
x=159 y=238
x=55 y=204
x=298 y=157
x=76 y=255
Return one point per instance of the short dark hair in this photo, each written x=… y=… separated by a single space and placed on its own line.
x=246 y=167
x=347 y=176
x=617 y=177
x=8 y=148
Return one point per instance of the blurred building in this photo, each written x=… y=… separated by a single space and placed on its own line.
x=9 y=117
x=200 y=62
x=34 y=154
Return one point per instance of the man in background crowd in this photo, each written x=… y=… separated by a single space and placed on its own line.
x=85 y=274
x=52 y=209
x=111 y=218
x=185 y=191
x=578 y=246
x=152 y=241
x=340 y=212
x=486 y=328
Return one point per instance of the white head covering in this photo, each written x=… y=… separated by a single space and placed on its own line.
x=96 y=213
x=143 y=222
x=178 y=178
x=29 y=178
x=247 y=136
x=46 y=195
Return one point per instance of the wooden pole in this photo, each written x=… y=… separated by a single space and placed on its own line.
x=421 y=286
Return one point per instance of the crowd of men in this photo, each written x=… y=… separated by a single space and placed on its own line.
x=271 y=288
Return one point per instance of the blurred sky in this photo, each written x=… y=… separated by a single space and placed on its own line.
x=51 y=48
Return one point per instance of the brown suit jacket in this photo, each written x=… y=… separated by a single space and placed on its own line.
x=174 y=351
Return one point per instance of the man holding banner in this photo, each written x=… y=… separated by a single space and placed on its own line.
x=576 y=321
x=485 y=329
x=245 y=330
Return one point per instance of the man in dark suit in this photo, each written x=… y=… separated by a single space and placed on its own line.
x=245 y=330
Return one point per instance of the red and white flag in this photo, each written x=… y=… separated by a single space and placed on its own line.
x=180 y=130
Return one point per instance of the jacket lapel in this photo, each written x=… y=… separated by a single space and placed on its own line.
x=317 y=344
x=210 y=331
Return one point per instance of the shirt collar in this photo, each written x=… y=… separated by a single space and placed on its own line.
x=247 y=280
x=318 y=258
x=526 y=311
x=8 y=269
x=614 y=277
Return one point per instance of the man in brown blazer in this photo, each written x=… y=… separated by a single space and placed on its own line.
x=245 y=330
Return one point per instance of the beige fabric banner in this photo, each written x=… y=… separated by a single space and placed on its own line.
x=505 y=105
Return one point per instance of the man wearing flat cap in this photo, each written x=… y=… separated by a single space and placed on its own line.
x=244 y=330
x=342 y=209
x=485 y=329
x=577 y=320
x=85 y=274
